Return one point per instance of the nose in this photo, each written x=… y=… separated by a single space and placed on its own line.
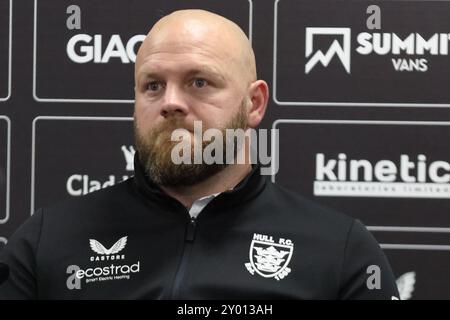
x=174 y=102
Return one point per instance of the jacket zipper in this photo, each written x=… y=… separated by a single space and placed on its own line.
x=187 y=247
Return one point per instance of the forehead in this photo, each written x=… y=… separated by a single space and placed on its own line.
x=183 y=56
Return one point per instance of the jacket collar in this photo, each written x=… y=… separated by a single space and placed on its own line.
x=245 y=190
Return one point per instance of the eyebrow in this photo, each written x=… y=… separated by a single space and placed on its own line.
x=149 y=72
x=207 y=70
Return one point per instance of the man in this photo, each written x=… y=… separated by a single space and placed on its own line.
x=194 y=231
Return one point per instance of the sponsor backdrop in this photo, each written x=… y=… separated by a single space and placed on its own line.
x=358 y=93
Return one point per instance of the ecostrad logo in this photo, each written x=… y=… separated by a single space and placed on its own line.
x=101 y=273
x=409 y=176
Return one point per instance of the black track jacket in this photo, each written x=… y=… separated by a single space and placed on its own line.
x=132 y=241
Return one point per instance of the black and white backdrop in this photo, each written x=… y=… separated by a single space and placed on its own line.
x=359 y=94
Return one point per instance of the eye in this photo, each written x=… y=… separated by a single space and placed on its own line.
x=200 y=83
x=154 y=86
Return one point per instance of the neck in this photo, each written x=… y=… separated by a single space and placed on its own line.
x=224 y=180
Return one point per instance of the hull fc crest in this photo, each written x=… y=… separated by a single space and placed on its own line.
x=268 y=258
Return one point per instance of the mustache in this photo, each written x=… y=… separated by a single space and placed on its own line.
x=172 y=124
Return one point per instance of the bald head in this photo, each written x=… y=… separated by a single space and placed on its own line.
x=189 y=30
x=194 y=66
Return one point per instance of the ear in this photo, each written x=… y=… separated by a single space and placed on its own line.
x=258 y=96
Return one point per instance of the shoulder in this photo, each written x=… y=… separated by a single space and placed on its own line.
x=305 y=211
x=104 y=200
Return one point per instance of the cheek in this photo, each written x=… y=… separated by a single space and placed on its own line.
x=211 y=118
x=217 y=113
x=145 y=115
x=223 y=117
x=142 y=125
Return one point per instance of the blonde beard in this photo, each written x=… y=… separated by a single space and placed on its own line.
x=155 y=152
